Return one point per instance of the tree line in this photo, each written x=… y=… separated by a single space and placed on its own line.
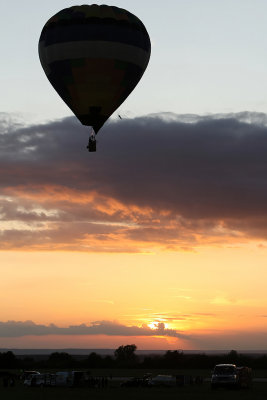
x=125 y=357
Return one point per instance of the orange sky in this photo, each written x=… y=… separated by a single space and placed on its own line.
x=210 y=296
x=165 y=247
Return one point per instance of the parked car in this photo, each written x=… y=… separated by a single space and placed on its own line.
x=229 y=375
x=163 y=380
x=34 y=380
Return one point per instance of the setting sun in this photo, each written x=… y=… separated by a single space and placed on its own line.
x=153 y=325
x=157 y=325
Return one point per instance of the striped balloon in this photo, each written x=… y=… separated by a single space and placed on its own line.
x=94 y=56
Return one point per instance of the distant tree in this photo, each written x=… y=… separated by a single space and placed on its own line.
x=28 y=363
x=94 y=360
x=60 y=360
x=152 y=361
x=108 y=362
x=173 y=359
x=8 y=360
x=232 y=357
x=125 y=355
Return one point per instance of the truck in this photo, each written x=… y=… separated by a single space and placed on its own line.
x=229 y=375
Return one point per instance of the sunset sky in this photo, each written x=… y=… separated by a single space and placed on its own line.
x=160 y=237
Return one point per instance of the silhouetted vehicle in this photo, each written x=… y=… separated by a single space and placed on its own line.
x=27 y=374
x=229 y=375
x=70 y=378
x=244 y=377
x=163 y=380
x=135 y=382
x=35 y=380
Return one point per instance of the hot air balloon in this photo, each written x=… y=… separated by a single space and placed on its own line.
x=94 y=56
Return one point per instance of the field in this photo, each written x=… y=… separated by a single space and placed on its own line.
x=114 y=391
x=258 y=391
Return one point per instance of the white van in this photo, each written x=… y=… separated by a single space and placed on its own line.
x=34 y=380
x=39 y=380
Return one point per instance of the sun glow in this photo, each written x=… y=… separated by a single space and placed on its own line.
x=155 y=325
x=152 y=325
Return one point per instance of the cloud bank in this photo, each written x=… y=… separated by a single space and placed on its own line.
x=29 y=328
x=160 y=181
x=205 y=339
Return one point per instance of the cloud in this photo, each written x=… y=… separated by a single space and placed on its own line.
x=202 y=339
x=29 y=328
x=168 y=317
x=160 y=181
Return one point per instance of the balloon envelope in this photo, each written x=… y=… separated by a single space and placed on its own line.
x=94 y=56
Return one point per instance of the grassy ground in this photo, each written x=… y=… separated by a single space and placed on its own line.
x=257 y=392
x=205 y=373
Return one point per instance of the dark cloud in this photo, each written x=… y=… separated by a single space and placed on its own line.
x=166 y=180
x=29 y=328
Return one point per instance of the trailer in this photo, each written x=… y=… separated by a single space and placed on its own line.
x=71 y=378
